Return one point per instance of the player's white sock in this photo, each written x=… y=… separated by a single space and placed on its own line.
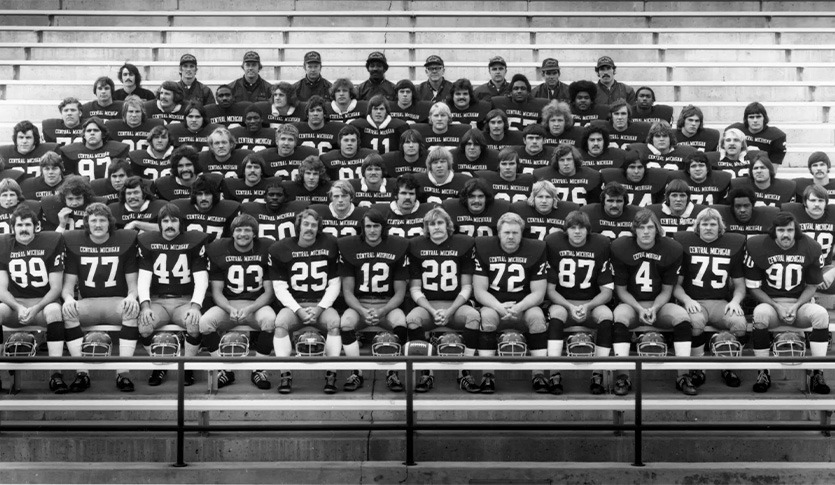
x=333 y=345
x=538 y=353
x=554 y=348
x=486 y=353
x=192 y=350
x=818 y=349
x=621 y=349
x=352 y=349
x=74 y=347
x=762 y=352
x=126 y=349
x=697 y=351
x=602 y=351
x=282 y=346
x=682 y=349
x=55 y=349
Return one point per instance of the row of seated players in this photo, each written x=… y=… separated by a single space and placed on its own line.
x=475 y=213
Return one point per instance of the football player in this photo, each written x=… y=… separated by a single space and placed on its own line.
x=311 y=184
x=11 y=196
x=410 y=158
x=509 y=283
x=473 y=154
x=534 y=154
x=172 y=271
x=305 y=275
x=497 y=85
x=242 y=290
x=131 y=81
x=761 y=136
x=345 y=162
x=579 y=287
x=574 y=182
x=441 y=277
x=769 y=189
x=497 y=131
x=707 y=187
x=612 y=216
x=819 y=166
x=47 y=183
x=204 y=211
x=192 y=88
x=598 y=153
x=692 y=131
x=374 y=272
x=169 y=105
x=66 y=129
x=283 y=160
x=732 y=156
x=276 y=215
x=373 y=187
x=782 y=272
x=408 y=107
x=404 y=215
x=583 y=106
x=646 y=268
x=89 y=158
x=552 y=88
x=378 y=130
x=100 y=268
x=376 y=65
x=318 y=132
x=520 y=106
x=438 y=131
x=711 y=285
x=815 y=219
x=282 y=107
x=251 y=86
x=559 y=125
x=108 y=188
x=25 y=152
x=103 y=107
x=608 y=89
x=183 y=170
x=440 y=182
x=194 y=130
x=506 y=182
x=223 y=155
x=64 y=211
x=742 y=216
x=660 y=149
x=677 y=212
x=645 y=108
x=644 y=186
x=476 y=211
x=346 y=105
x=341 y=217
x=31 y=272
x=465 y=107
x=134 y=126
x=543 y=212
x=253 y=135
x=251 y=181
x=435 y=88
x=623 y=130
x=228 y=111
x=312 y=84
x=136 y=208
x=154 y=161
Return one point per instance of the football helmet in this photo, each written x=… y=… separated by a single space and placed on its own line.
x=20 y=344
x=165 y=344
x=450 y=344
x=512 y=344
x=725 y=344
x=652 y=344
x=418 y=347
x=580 y=345
x=385 y=344
x=96 y=344
x=310 y=344
x=234 y=344
x=788 y=344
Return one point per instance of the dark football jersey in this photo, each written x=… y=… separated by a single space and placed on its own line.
x=208 y=163
x=342 y=167
x=101 y=268
x=167 y=188
x=657 y=112
x=350 y=225
x=705 y=140
x=6 y=215
x=509 y=274
x=418 y=112
x=579 y=272
x=323 y=139
x=528 y=163
x=581 y=188
x=155 y=112
x=36 y=188
x=430 y=191
x=712 y=190
x=571 y=135
x=439 y=267
x=104 y=189
x=404 y=225
x=274 y=119
x=239 y=191
x=611 y=227
x=148 y=213
x=673 y=223
x=472 y=115
x=635 y=132
x=514 y=191
x=364 y=196
x=650 y=190
x=821 y=230
x=179 y=134
x=228 y=117
x=55 y=131
x=737 y=168
x=286 y=167
x=800 y=185
x=510 y=139
x=761 y=220
x=595 y=112
x=374 y=268
x=653 y=158
x=520 y=115
x=51 y=205
x=770 y=140
x=110 y=112
x=134 y=137
x=538 y=225
x=779 y=192
x=450 y=139
x=782 y=273
x=215 y=223
x=173 y=263
x=397 y=165
x=28 y=266
x=644 y=271
x=242 y=272
x=357 y=109
x=488 y=160
x=280 y=224
x=707 y=268
x=381 y=138
x=306 y=270
x=297 y=191
x=148 y=166
x=29 y=163
x=476 y=225
x=256 y=142
x=609 y=158
x=91 y=163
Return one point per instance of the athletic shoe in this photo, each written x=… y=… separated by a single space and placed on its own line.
x=596 y=386
x=393 y=382
x=818 y=384
x=81 y=382
x=763 y=381
x=57 y=384
x=124 y=384
x=697 y=377
x=730 y=378
x=353 y=383
x=259 y=378
x=425 y=383
x=539 y=384
x=685 y=384
x=488 y=384
x=157 y=377
x=555 y=384
x=467 y=383
x=330 y=383
x=225 y=378
x=623 y=385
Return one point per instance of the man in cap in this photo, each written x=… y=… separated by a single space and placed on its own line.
x=251 y=86
x=608 y=90
x=312 y=84
x=552 y=88
x=192 y=88
x=377 y=65
x=497 y=85
x=435 y=88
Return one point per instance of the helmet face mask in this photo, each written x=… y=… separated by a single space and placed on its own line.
x=788 y=344
x=310 y=344
x=725 y=344
x=385 y=344
x=512 y=344
x=234 y=344
x=20 y=344
x=96 y=344
x=165 y=344
x=652 y=344
x=580 y=345
x=449 y=344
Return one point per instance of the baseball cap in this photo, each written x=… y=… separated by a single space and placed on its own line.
x=433 y=60
x=550 y=63
x=379 y=57
x=312 y=56
x=252 y=56
x=819 y=157
x=497 y=60
x=188 y=59
x=605 y=61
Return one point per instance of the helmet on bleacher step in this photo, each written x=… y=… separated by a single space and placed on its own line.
x=234 y=344
x=96 y=344
x=652 y=344
x=450 y=344
x=725 y=344
x=580 y=345
x=165 y=344
x=512 y=344
x=788 y=344
x=20 y=344
x=310 y=344
x=418 y=347
x=385 y=343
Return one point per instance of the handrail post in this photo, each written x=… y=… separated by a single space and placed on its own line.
x=181 y=413
x=410 y=416
x=638 y=418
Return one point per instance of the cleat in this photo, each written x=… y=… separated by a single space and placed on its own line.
x=763 y=382
x=157 y=377
x=488 y=384
x=555 y=384
x=596 y=386
x=285 y=384
x=81 y=382
x=731 y=379
x=697 y=377
x=124 y=384
x=539 y=384
x=188 y=378
x=425 y=383
x=57 y=384
x=225 y=378
x=467 y=383
x=685 y=384
x=818 y=384
x=393 y=382
x=623 y=385
x=353 y=383
x=259 y=378
x=330 y=383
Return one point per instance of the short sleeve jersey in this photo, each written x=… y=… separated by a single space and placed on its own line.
x=539 y=225
x=439 y=266
x=611 y=227
x=517 y=190
x=374 y=268
x=579 y=272
x=476 y=225
x=173 y=263
x=349 y=225
x=242 y=272
x=216 y=222
x=644 y=271
x=707 y=268
x=648 y=190
x=278 y=224
x=822 y=230
x=29 y=265
x=101 y=268
x=782 y=273
x=509 y=274
x=306 y=270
